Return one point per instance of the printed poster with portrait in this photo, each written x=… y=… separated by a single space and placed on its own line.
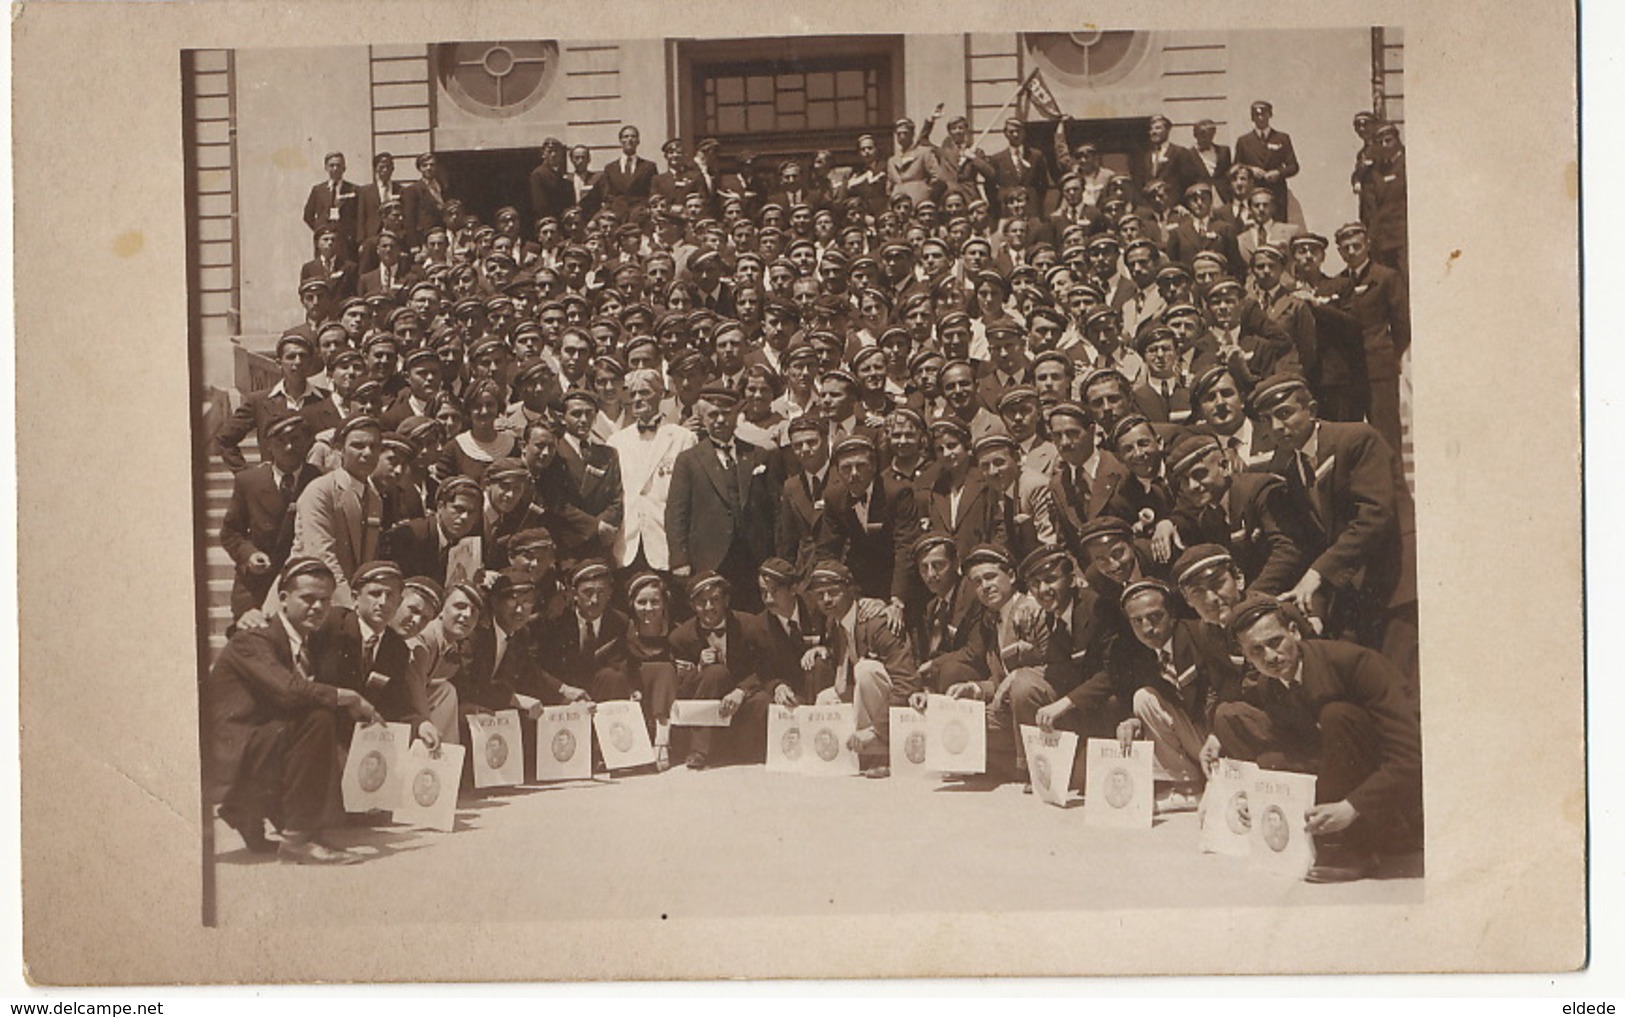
x=1049 y=762
x=957 y=738
x=1278 y=805
x=372 y=770
x=622 y=738
x=497 y=749
x=909 y=741
x=784 y=747
x=564 y=743
x=698 y=713
x=429 y=787
x=1227 y=827
x=825 y=732
x=1117 y=788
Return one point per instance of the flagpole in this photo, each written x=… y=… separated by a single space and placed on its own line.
x=1000 y=114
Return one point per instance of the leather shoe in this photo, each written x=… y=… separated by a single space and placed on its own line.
x=696 y=761
x=310 y=852
x=877 y=772
x=251 y=829
x=1341 y=865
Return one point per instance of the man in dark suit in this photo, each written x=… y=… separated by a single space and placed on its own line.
x=357 y=649
x=1173 y=164
x=423 y=202
x=1383 y=201
x=445 y=545
x=1083 y=629
x=375 y=195
x=330 y=267
x=567 y=497
x=728 y=650
x=791 y=625
x=1269 y=153
x=719 y=512
x=1172 y=676
x=1215 y=158
x=680 y=178
x=1085 y=480
x=272 y=732
x=551 y=189
x=1202 y=230
x=594 y=470
x=952 y=613
x=394 y=275
x=870 y=523
x=1018 y=166
x=336 y=202
x=804 y=496
x=257 y=530
x=505 y=655
x=628 y=180
x=259 y=410
x=1345 y=495
x=1377 y=298
x=1336 y=373
x=1241 y=512
x=862 y=660
x=1339 y=711
x=585 y=644
x=1219 y=408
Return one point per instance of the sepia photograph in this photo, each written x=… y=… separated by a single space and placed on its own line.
x=680 y=378
x=688 y=493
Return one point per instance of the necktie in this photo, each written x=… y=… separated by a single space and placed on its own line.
x=301 y=660
x=285 y=486
x=369 y=651
x=587 y=639
x=793 y=627
x=727 y=457
x=1306 y=471
x=1232 y=452
x=1074 y=492
x=1165 y=662
x=1263 y=235
x=628 y=165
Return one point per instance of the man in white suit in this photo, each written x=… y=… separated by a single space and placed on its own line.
x=339 y=513
x=648 y=451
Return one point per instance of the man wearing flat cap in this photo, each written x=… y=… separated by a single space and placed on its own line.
x=729 y=654
x=271 y=730
x=594 y=471
x=1337 y=710
x=257 y=530
x=446 y=544
x=1174 y=164
x=330 y=267
x=1267 y=287
x=862 y=659
x=1377 y=297
x=1203 y=229
x=1268 y=153
x=1085 y=478
x=584 y=645
x=1337 y=372
x=340 y=514
x=1350 y=503
x=723 y=498
x=870 y=523
x=295 y=354
x=1018 y=166
x=1241 y=512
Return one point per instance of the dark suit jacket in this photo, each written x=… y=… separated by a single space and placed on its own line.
x=1339 y=358
x=1179 y=168
x=1035 y=178
x=1071 y=514
x=800 y=515
x=1185 y=242
x=1131 y=666
x=551 y=192
x=1173 y=408
x=341 y=281
x=1250 y=526
x=946 y=624
x=1377 y=299
x=337 y=655
x=879 y=554
x=562 y=659
x=257 y=519
x=257 y=412
x=1220 y=177
x=321 y=202
x=571 y=519
x=414 y=545
x=781 y=655
x=252 y=684
x=1335 y=671
x=710 y=510
x=1078 y=651
x=372 y=219
x=492 y=684
x=676 y=187
x=747 y=650
x=1351 y=515
x=1383 y=205
x=421 y=211
x=981 y=517
x=373 y=282
x=621 y=191
x=876 y=641
x=1271 y=153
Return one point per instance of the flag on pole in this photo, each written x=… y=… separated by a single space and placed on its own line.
x=1041 y=96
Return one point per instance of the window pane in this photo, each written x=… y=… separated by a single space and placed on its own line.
x=820 y=115
x=792 y=82
x=849 y=83
x=760 y=119
x=851 y=113
x=760 y=89
x=820 y=85
x=730 y=120
x=731 y=89
x=792 y=121
x=792 y=102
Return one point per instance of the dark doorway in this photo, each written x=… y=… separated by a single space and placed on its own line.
x=487 y=180
x=1122 y=143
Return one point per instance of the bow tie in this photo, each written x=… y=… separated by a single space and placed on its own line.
x=648 y=428
x=719 y=631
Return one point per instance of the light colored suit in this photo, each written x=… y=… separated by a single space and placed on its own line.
x=646 y=468
x=338 y=520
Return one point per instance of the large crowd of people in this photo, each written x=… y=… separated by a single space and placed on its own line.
x=1109 y=452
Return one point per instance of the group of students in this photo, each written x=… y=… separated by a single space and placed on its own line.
x=854 y=439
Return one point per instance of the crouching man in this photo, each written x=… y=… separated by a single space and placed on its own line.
x=1337 y=710
x=273 y=731
x=728 y=651
x=861 y=661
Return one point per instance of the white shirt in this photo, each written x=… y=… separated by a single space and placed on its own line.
x=296 y=643
x=861 y=508
x=953 y=505
x=583 y=625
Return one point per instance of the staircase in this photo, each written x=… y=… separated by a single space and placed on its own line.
x=218 y=568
